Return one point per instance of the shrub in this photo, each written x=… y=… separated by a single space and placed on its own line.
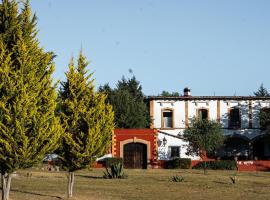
x=116 y=171
x=233 y=179
x=179 y=163
x=110 y=161
x=177 y=178
x=217 y=164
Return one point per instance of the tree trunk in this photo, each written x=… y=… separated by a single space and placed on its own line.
x=70 y=184
x=6 y=181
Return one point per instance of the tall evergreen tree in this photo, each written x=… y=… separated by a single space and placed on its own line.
x=262 y=92
x=28 y=126
x=87 y=118
x=129 y=104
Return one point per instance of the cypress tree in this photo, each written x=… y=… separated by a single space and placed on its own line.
x=87 y=118
x=28 y=127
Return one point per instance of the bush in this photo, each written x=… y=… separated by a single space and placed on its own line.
x=179 y=163
x=217 y=164
x=110 y=161
x=233 y=179
x=116 y=171
x=177 y=178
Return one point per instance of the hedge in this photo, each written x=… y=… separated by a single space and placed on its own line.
x=179 y=163
x=217 y=164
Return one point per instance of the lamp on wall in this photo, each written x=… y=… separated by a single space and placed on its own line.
x=159 y=142
x=164 y=141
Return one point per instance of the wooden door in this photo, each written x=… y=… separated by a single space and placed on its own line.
x=135 y=156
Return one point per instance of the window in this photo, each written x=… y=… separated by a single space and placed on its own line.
x=234 y=118
x=203 y=114
x=167 y=119
x=175 y=152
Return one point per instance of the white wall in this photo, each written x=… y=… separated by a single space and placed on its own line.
x=179 y=119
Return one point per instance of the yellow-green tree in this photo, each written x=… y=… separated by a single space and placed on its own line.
x=87 y=118
x=28 y=126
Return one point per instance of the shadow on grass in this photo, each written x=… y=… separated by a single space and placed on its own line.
x=220 y=182
x=38 y=194
x=88 y=176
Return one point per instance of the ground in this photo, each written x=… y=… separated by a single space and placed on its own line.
x=141 y=184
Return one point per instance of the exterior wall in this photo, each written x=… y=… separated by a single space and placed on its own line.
x=145 y=136
x=164 y=151
x=178 y=108
x=185 y=108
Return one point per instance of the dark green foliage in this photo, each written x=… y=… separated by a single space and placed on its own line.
x=177 y=178
x=262 y=92
x=217 y=165
x=179 y=163
x=110 y=161
x=128 y=103
x=169 y=94
x=264 y=117
x=203 y=136
x=116 y=171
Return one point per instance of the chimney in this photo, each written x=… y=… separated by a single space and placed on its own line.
x=187 y=92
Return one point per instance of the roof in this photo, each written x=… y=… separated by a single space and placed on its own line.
x=209 y=98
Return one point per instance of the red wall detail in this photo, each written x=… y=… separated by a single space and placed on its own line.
x=149 y=135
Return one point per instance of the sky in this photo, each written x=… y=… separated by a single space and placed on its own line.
x=214 y=47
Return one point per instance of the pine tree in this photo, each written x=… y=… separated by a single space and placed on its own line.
x=262 y=92
x=129 y=104
x=28 y=127
x=88 y=120
x=169 y=94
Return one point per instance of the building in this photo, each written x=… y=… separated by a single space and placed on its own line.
x=137 y=147
x=238 y=116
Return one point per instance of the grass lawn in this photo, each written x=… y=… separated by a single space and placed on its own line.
x=142 y=184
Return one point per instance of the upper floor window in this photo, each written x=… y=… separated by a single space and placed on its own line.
x=203 y=113
x=234 y=118
x=167 y=118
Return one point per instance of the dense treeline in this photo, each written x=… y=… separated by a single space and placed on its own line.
x=129 y=103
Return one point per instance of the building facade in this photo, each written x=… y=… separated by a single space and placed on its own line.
x=238 y=116
x=137 y=147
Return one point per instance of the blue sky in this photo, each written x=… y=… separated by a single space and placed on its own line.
x=214 y=47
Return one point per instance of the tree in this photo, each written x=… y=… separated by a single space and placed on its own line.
x=264 y=117
x=29 y=128
x=128 y=103
x=169 y=94
x=88 y=121
x=204 y=137
x=261 y=92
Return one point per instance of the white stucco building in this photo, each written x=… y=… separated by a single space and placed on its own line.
x=238 y=116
